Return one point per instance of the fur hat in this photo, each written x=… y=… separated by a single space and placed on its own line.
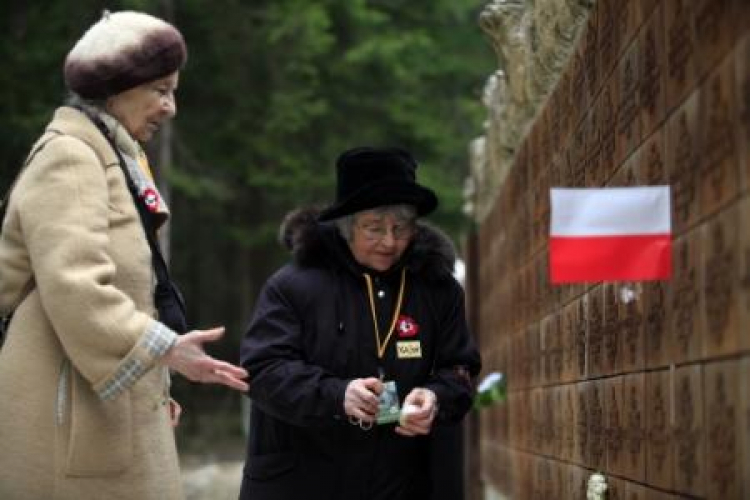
x=373 y=177
x=121 y=51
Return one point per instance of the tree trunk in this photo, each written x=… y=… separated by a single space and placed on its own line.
x=165 y=155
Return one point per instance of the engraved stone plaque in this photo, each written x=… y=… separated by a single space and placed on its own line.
x=500 y=463
x=653 y=72
x=628 y=110
x=581 y=455
x=714 y=32
x=535 y=138
x=544 y=483
x=550 y=296
x=659 y=445
x=656 y=322
x=564 y=96
x=518 y=413
x=629 y=19
x=608 y=42
x=742 y=96
x=597 y=426
x=536 y=422
x=554 y=108
x=533 y=351
x=682 y=164
x=648 y=6
x=522 y=480
x=722 y=328
x=611 y=330
x=578 y=158
x=606 y=110
x=614 y=424
x=685 y=301
x=689 y=451
x=589 y=41
x=578 y=96
x=555 y=355
x=564 y=175
x=744 y=271
x=542 y=129
x=595 y=169
x=616 y=489
x=629 y=172
x=543 y=210
x=632 y=346
x=545 y=349
x=652 y=171
x=581 y=306
x=718 y=160
x=516 y=380
x=635 y=491
x=653 y=494
x=575 y=482
x=680 y=50
x=721 y=390
x=568 y=426
x=633 y=463
x=567 y=329
x=596 y=348
x=554 y=416
x=743 y=16
x=514 y=422
x=744 y=437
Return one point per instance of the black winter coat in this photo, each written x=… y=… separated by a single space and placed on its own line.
x=312 y=332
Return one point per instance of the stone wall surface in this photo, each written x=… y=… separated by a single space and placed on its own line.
x=654 y=392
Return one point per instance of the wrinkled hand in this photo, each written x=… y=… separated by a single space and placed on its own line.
x=418 y=412
x=361 y=398
x=189 y=359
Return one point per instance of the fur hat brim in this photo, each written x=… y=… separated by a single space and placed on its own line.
x=382 y=193
x=121 y=51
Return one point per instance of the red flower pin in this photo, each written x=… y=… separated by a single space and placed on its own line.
x=406 y=326
x=151 y=198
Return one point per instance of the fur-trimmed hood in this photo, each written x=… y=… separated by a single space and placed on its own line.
x=318 y=244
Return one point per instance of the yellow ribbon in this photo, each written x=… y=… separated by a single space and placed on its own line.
x=396 y=312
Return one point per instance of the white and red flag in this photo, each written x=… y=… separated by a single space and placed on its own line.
x=610 y=234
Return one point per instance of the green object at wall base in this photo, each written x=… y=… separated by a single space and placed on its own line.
x=491 y=390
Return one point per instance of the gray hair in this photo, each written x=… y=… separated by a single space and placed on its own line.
x=402 y=212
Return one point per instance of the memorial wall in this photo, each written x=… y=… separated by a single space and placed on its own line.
x=649 y=382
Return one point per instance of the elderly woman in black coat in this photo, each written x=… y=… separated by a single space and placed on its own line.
x=359 y=347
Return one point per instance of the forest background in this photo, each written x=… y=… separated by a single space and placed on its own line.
x=273 y=91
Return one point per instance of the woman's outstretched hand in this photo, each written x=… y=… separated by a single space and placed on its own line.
x=189 y=359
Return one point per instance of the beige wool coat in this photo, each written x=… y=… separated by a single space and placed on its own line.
x=83 y=410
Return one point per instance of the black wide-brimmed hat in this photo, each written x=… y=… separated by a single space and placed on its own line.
x=370 y=177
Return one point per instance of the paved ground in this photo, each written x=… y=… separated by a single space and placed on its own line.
x=207 y=478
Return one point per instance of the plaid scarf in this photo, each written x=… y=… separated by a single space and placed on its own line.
x=138 y=167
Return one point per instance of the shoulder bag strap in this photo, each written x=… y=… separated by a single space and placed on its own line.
x=160 y=266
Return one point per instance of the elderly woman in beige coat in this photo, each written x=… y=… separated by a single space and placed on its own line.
x=84 y=384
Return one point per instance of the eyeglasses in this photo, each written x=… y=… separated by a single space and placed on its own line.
x=378 y=233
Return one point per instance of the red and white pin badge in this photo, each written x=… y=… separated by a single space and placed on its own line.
x=151 y=199
x=406 y=326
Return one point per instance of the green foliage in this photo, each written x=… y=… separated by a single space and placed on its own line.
x=273 y=91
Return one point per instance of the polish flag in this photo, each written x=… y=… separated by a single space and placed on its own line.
x=610 y=234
